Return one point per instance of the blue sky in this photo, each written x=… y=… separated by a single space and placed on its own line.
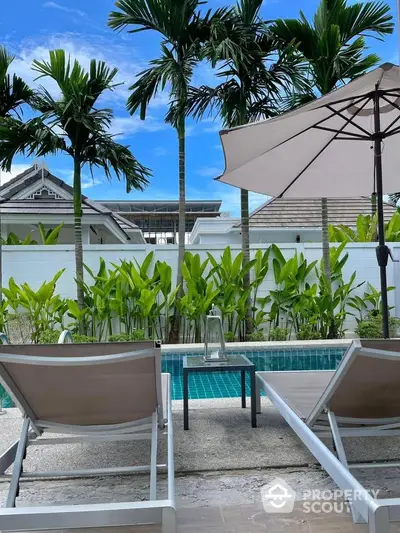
x=29 y=28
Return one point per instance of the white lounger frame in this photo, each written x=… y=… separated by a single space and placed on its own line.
x=92 y=515
x=378 y=513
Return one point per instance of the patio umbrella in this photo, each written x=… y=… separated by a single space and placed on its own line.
x=343 y=144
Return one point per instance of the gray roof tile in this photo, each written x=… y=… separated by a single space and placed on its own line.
x=306 y=213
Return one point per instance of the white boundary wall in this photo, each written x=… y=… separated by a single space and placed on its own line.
x=35 y=264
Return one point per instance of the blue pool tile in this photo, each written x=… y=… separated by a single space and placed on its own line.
x=227 y=384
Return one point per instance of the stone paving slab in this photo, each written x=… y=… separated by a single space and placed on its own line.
x=220 y=438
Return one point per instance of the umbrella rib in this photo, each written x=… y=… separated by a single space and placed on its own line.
x=393 y=132
x=356 y=135
x=320 y=122
x=387 y=129
x=369 y=95
x=339 y=113
x=322 y=149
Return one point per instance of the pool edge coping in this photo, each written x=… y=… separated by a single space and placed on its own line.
x=265 y=345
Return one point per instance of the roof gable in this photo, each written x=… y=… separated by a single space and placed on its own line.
x=38 y=191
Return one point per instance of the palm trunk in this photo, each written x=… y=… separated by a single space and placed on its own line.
x=78 y=233
x=176 y=319
x=244 y=215
x=325 y=239
x=374 y=210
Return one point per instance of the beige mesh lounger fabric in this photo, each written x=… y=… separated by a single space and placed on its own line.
x=95 y=392
x=360 y=399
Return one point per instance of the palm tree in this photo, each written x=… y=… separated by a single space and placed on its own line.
x=73 y=125
x=14 y=92
x=257 y=71
x=182 y=29
x=334 y=45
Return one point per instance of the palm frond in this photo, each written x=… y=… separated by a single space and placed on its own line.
x=70 y=123
x=169 y=17
x=31 y=138
x=394 y=198
x=334 y=43
x=14 y=92
x=103 y=152
x=356 y=19
x=72 y=79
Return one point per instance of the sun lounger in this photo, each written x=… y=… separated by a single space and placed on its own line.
x=88 y=392
x=360 y=399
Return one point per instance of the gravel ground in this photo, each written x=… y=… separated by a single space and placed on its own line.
x=221 y=460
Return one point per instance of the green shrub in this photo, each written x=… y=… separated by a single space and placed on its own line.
x=278 y=334
x=229 y=336
x=371 y=326
x=256 y=336
x=83 y=339
x=51 y=336
x=307 y=332
x=137 y=335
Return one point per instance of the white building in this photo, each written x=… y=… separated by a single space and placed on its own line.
x=36 y=196
x=285 y=220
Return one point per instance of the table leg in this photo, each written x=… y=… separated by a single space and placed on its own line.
x=185 y=399
x=243 y=383
x=258 y=396
x=253 y=398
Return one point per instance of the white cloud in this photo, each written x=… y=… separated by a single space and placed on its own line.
x=54 y=5
x=124 y=126
x=15 y=170
x=87 y=180
x=83 y=48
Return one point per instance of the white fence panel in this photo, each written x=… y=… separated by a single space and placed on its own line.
x=35 y=264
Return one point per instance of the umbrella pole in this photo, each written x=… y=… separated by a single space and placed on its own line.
x=382 y=251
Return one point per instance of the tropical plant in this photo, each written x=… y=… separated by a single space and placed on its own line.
x=72 y=124
x=48 y=237
x=200 y=293
x=137 y=335
x=256 y=71
x=334 y=45
x=370 y=327
x=232 y=299
x=182 y=29
x=369 y=304
x=293 y=290
x=14 y=93
x=51 y=336
x=43 y=308
x=13 y=240
x=229 y=336
x=365 y=230
x=133 y=300
x=256 y=336
x=278 y=334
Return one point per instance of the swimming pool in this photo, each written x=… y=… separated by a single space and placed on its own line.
x=227 y=385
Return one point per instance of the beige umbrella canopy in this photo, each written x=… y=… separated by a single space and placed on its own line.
x=344 y=144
